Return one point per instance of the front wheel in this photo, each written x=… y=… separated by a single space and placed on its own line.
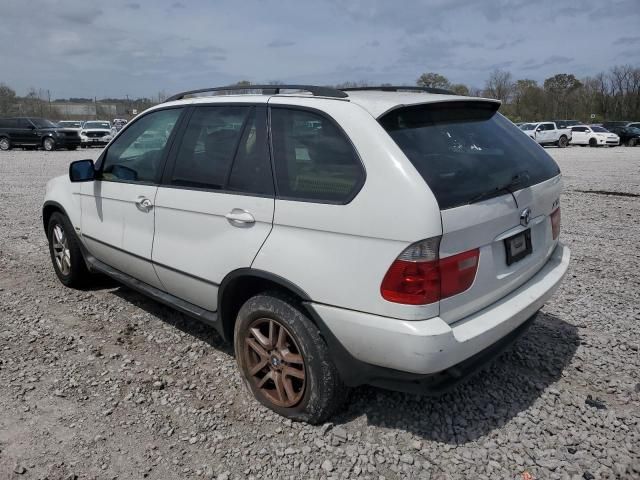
x=284 y=361
x=5 y=144
x=593 y=143
x=65 y=252
x=49 y=144
x=563 y=141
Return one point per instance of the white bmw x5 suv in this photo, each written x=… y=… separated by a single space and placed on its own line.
x=389 y=236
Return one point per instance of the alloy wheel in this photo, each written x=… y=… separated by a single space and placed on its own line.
x=61 y=252
x=4 y=144
x=274 y=363
x=49 y=144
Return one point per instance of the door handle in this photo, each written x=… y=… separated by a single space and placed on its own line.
x=240 y=218
x=144 y=204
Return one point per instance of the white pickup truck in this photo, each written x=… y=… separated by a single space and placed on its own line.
x=547 y=133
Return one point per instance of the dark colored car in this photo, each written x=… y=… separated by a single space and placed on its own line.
x=32 y=132
x=629 y=136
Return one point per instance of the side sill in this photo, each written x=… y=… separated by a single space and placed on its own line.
x=205 y=316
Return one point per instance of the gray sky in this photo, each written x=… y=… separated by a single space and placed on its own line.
x=116 y=47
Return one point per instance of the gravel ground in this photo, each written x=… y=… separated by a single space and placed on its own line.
x=107 y=384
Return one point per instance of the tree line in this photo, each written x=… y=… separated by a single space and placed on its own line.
x=38 y=103
x=612 y=95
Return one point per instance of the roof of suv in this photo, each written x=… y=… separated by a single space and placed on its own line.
x=376 y=102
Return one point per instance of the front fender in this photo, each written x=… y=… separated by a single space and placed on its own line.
x=64 y=196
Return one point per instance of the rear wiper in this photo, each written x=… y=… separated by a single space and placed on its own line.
x=515 y=181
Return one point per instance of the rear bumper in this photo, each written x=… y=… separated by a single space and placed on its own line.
x=379 y=350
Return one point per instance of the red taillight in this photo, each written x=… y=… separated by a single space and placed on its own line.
x=458 y=272
x=412 y=283
x=418 y=276
x=555 y=223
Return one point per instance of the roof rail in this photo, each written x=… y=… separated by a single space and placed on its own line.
x=441 y=91
x=266 y=89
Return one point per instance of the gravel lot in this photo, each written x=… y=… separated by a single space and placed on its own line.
x=106 y=384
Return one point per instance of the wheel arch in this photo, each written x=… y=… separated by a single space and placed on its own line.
x=241 y=284
x=48 y=209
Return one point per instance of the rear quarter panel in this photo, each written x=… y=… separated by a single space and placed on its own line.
x=339 y=254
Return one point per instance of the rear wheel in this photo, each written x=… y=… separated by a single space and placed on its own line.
x=5 y=144
x=284 y=361
x=563 y=141
x=49 y=144
x=632 y=142
x=65 y=252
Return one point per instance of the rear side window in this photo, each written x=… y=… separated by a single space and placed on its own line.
x=225 y=148
x=314 y=160
x=466 y=149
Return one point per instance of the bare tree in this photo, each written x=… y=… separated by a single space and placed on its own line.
x=8 y=101
x=499 y=85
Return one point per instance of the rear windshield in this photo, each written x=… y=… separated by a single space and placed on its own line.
x=465 y=150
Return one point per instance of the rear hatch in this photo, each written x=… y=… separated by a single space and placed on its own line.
x=496 y=189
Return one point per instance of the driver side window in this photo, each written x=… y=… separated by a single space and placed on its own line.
x=136 y=155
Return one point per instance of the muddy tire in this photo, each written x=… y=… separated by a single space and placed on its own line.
x=284 y=361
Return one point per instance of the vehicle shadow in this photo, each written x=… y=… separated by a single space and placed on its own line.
x=486 y=401
x=168 y=315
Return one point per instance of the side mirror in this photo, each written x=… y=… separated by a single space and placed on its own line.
x=82 y=171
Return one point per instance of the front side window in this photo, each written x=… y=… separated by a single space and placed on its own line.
x=136 y=155
x=225 y=148
x=43 y=123
x=313 y=158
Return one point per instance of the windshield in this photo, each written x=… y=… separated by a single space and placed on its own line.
x=70 y=124
x=43 y=123
x=101 y=125
x=466 y=149
x=599 y=129
x=527 y=126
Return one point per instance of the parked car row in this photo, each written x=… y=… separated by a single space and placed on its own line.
x=33 y=133
x=571 y=132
